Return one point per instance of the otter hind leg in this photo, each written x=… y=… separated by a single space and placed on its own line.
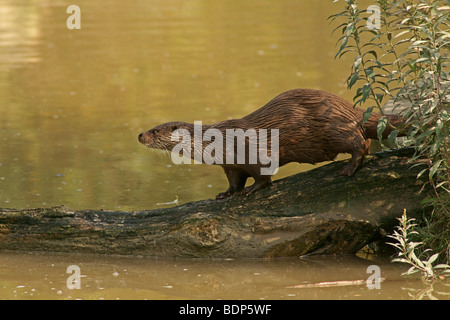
x=236 y=178
x=357 y=159
x=261 y=181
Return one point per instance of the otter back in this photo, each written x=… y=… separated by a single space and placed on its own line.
x=312 y=126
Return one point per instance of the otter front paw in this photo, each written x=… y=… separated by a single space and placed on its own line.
x=224 y=195
x=255 y=187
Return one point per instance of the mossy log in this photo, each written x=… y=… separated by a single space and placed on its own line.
x=314 y=212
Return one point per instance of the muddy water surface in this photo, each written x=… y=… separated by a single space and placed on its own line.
x=72 y=103
x=44 y=276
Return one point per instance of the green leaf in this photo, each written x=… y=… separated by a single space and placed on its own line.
x=423 y=59
x=400 y=260
x=382 y=123
x=435 y=147
x=434 y=168
x=372 y=52
x=411 y=270
x=365 y=91
x=421 y=173
x=433 y=258
x=367 y=114
x=353 y=79
x=370 y=73
x=401 y=33
x=357 y=62
x=416 y=260
x=392 y=136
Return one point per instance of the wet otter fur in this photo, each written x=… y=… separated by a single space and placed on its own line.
x=314 y=126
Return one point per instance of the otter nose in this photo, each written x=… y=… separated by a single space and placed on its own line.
x=140 y=136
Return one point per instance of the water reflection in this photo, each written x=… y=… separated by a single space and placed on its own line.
x=73 y=101
x=36 y=276
x=19 y=34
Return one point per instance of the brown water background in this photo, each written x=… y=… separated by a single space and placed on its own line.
x=72 y=103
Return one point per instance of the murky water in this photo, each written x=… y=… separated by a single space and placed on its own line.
x=45 y=276
x=72 y=103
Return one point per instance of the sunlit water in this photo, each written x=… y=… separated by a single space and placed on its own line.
x=72 y=103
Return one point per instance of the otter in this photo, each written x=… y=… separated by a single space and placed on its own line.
x=312 y=126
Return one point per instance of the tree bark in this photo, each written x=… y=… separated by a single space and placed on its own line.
x=314 y=212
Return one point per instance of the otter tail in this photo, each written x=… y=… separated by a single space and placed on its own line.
x=370 y=126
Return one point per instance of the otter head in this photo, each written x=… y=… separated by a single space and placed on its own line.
x=160 y=137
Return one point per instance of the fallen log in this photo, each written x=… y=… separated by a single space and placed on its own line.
x=314 y=212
